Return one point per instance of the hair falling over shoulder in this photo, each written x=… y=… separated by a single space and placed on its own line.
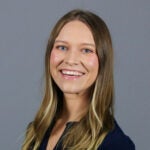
x=98 y=121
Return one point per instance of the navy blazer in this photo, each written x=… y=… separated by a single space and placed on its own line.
x=115 y=140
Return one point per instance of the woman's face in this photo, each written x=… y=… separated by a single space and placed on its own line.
x=73 y=61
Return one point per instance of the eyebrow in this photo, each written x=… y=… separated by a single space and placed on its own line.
x=89 y=44
x=86 y=44
x=60 y=41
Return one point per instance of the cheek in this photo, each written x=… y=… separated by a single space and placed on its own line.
x=93 y=62
x=54 y=58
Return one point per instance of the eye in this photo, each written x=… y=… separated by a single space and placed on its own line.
x=61 y=47
x=86 y=50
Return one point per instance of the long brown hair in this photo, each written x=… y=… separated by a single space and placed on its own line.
x=98 y=121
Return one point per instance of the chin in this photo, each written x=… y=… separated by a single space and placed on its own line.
x=74 y=92
x=70 y=92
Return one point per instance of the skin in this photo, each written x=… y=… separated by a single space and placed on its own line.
x=74 y=68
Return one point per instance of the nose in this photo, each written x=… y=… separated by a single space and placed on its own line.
x=72 y=57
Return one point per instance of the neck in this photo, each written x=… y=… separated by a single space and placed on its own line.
x=74 y=107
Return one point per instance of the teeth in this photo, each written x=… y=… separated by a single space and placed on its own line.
x=72 y=73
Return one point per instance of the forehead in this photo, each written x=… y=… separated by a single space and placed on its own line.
x=76 y=30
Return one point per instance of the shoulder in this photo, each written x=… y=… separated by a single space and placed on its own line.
x=117 y=140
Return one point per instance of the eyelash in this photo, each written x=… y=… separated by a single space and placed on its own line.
x=61 y=47
x=86 y=50
x=64 y=48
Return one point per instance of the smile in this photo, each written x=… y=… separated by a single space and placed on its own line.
x=71 y=73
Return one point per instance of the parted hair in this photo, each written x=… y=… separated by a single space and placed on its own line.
x=91 y=130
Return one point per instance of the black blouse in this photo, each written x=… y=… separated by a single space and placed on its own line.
x=115 y=139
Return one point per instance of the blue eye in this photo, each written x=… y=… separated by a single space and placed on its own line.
x=63 y=48
x=87 y=51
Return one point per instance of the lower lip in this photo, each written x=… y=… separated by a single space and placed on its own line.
x=68 y=77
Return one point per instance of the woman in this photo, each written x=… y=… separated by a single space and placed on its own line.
x=77 y=109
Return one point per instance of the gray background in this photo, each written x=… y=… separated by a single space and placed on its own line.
x=24 y=29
